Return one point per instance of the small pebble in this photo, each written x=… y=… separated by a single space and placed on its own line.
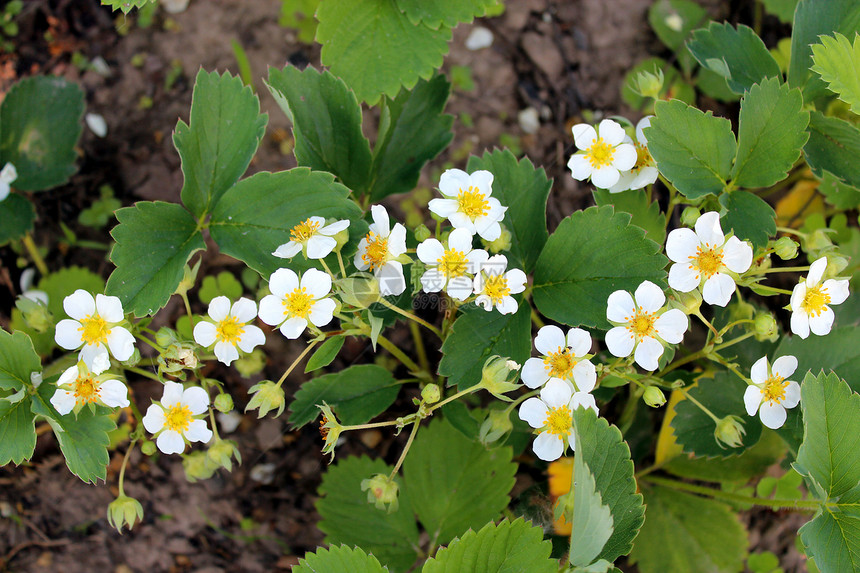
x=479 y=39
x=97 y=124
x=529 y=120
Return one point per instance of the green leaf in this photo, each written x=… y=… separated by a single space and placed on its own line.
x=455 y=483
x=17 y=431
x=737 y=54
x=154 y=240
x=325 y=353
x=672 y=21
x=375 y=49
x=749 y=216
x=41 y=119
x=479 y=334
x=413 y=130
x=348 y=518
x=771 y=133
x=506 y=547
x=782 y=9
x=357 y=394
x=603 y=450
x=220 y=139
x=828 y=460
x=592 y=520
x=839 y=194
x=693 y=150
x=590 y=255
x=18 y=216
x=704 y=535
x=436 y=13
x=723 y=396
x=645 y=215
x=524 y=189
x=714 y=85
x=750 y=464
x=326 y=121
x=17 y=360
x=837 y=61
x=299 y=15
x=337 y=560
x=255 y=216
x=125 y=5
x=833 y=146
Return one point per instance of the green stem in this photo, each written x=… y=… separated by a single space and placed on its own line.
x=340 y=264
x=536 y=319
x=774 y=289
x=410 y=316
x=142 y=372
x=414 y=431
x=328 y=270
x=706 y=322
x=214 y=425
x=122 y=468
x=702 y=408
x=33 y=250
x=184 y=296
x=419 y=347
x=367 y=426
x=783 y=270
x=399 y=354
x=791 y=504
x=296 y=361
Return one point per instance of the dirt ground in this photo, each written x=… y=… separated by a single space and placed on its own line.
x=560 y=57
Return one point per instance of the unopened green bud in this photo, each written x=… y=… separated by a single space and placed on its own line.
x=148 y=447
x=741 y=310
x=189 y=277
x=785 y=248
x=252 y=363
x=330 y=429
x=165 y=337
x=198 y=466
x=341 y=237
x=497 y=424
x=688 y=302
x=267 y=396
x=730 y=431
x=224 y=403
x=765 y=327
x=835 y=265
x=431 y=393
x=689 y=216
x=381 y=492
x=222 y=452
x=817 y=240
x=649 y=83
x=124 y=511
x=654 y=397
x=176 y=357
x=496 y=376
x=133 y=359
x=36 y=314
x=360 y=291
x=422 y=233
x=503 y=243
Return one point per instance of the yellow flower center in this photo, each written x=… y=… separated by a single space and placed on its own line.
x=641 y=324
x=643 y=158
x=86 y=389
x=299 y=303
x=304 y=231
x=560 y=364
x=708 y=262
x=93 y=329
x=376 y=252
x=559 y=421
x=473 y=203
x=600 y=154
x=815 y=300
x=178 y=418
x=496 y=287
x=229 y=330
x=774 y=389
x=453 y=263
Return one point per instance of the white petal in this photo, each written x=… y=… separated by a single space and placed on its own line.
x=198 y=432
x=121 y=343
x=683 y=277
x=271 y=312
x=671 y=325
x=226 y=352
x=752 y=399
x=460 y=220
x=533 y=412
x=620 y=307
x=800 y=323
x=534 y=373
x=646 y=176
x=772 y=415
x=335 y=227
x=605 y=177
x=196 y=399
x=649 y=297
x=79 y=304
x=380 y=220
x=583 y=135
x=170 y=442
x=758 y=372
x=647 y=353
x=283 y=282
x=484 y=302
x=320 y=246
x=219 y=308
x=92 y=353
x=483 y=180
x=288 y=250
x=443 y=207
x=316 y=282
x=784 y=366
x=556 y=393
x=459 y=239
x=585 y=376
x=452 y=181
x=251 y=337
x=5 y=189
x=737 y=255
x=64 y=401
x=433 y=281
x=109 y=308
x=549 y=339
x=114 y=394
x=517 y=280
x=459 y=288
x=718 y=289
x=583 y=400
x=204 y=333
x=640 y=129
x=798 y=293
x=293 y=327
x=821 y=323
x=391 y=279
x=489 y=231
x=397 y=240
x=507 y=305
x=477 y=259
x=625 y=182
x=580 y=167
x=100 y=363
x=620 y=341
x=579 y=341
x=816 y=271
x=611 y=132
x=431 y=250
x=681 y=244
x=709 y=231
x=68 y=376
x=548 y=447
x=68 y=334
x=837 y=290
x=172 y=394
x=154 y=419
x=624 y=157
x=792 y=395
x=322 y=312
x=244 y=310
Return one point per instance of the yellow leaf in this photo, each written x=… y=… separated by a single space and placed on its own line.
x=797 y=204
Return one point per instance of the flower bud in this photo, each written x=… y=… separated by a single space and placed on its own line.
x=360 y=291
x=689 y=216
x=124 y=511
x=222 y=452
x=431 y=393
x=688 y=302
x=785 y=248
x=497 y=424
x=422 y=233
x=147 y=448
x=267 y=396
x=330 y=429
x=503 y=243
x=835 y=265
x=496 y=376
x=35 y=313
x=176 y=357
x=381 y=492
x=730 y=431
x=654 y=397
x=649 y=83
x=165 y=337
x=198 y=466
x=224 y=403
x=765 y=327
x=252 y=363
x=817 y=240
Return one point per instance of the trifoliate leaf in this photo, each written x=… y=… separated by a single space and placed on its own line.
x=348 y=518
x=749 y=216
x=41 y=119
x=412 y=131
x=326 y=121
x=771 y=134
x=833 y=146
x=694 y=150
x=524 y=189
x=590 y=255
x=476 y=335
x=17 y=360
x=324 y=355
x=435 y=13
x=837 y=61
x=508 y=546
x=592 y=520
x=18 y=216
x=357 y=394
x=737 y=54
x=705 y=535
x=154 y=240
x=645 y=215
x=338 y=559
x=219 y=140
x=455 y=483
x=375 y=49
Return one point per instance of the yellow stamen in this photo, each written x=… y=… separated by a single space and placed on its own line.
x=559 y=421
x=641 y=324
x=496 y=287
x=643 y=158
x=178 y=418
x=774 y=389
x=707 y=262
x=473 y=203
x=94 y=329
x=86 y=389
x=304 y=231
x=376 y=253
x=453 y=263
x=229 y=330
x=600 y=154
x=815 y=301
x=298 y=303
x=560 y=364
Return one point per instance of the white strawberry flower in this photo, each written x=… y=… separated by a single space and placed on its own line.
x=704 y=257
x=644 y=171
x=603 y=155
x=564 y=358
x=295 y=304
x=228 y=329
x=552 y=416
x=379 y=250
x=313 y=237
x=810 y=299
x=451 y=268
x=8 y=175
x=80 y=385
x=177 y=418
x=640 y=326
x=94 y=327
x=494 y=286
x=770 y=393
x=468 y=203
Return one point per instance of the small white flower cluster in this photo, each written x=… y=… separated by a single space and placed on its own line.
x=611 y=158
